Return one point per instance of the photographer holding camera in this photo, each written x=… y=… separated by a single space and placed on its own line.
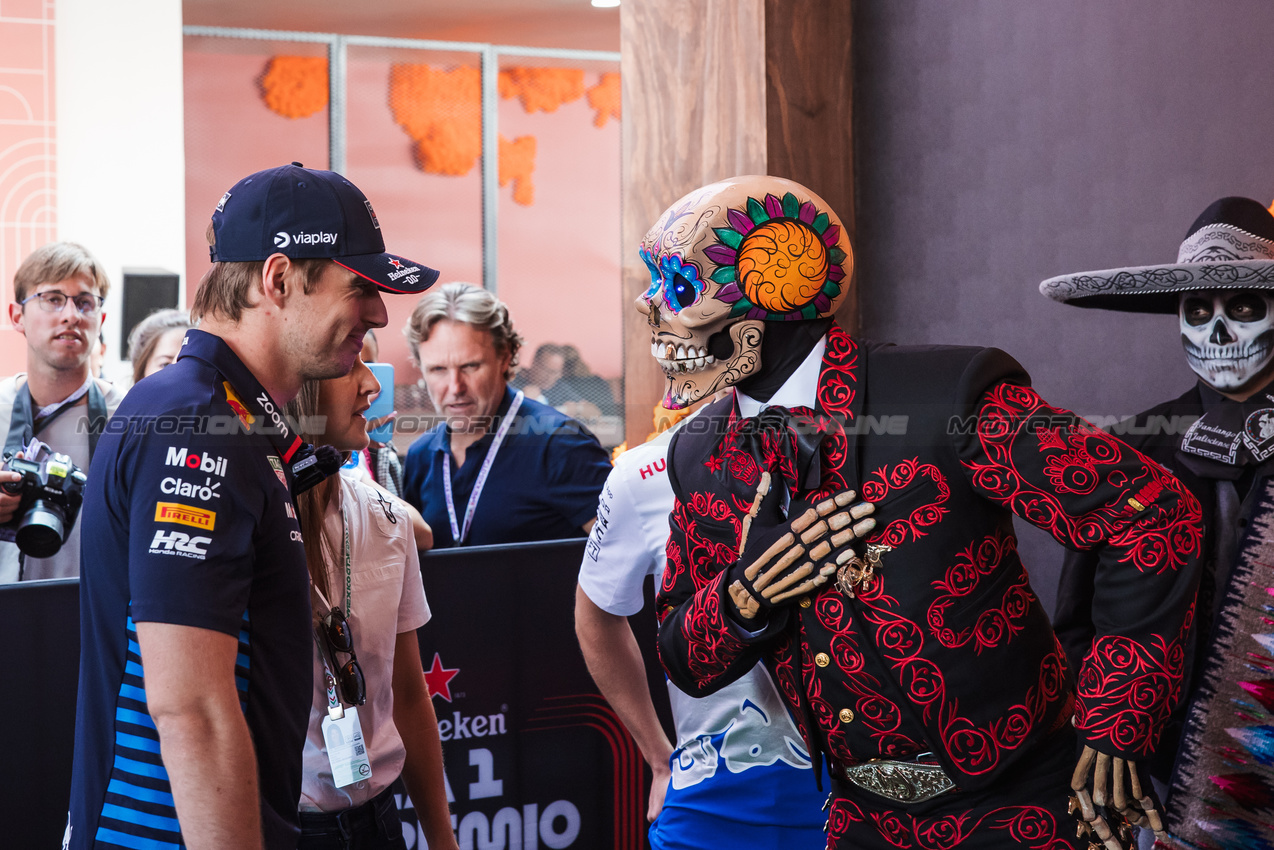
x=58 y=293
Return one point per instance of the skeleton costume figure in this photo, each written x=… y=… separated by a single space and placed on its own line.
x=845 y=517
x=1218 y=438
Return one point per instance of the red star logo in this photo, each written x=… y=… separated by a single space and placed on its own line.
x=438 y=678
x=395 y=263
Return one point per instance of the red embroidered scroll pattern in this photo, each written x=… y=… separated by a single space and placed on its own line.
x=1127 y=690
x=839 y=373
x=1031 y=827
x=1017 y=431
x=973 y=749
x=877 y=714
x=710 y=641
x=994 y=625
x=687 y=548
x=783 y=663
x=877 y=488
x=836 y=391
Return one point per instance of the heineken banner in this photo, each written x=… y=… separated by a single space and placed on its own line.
x=535 y=758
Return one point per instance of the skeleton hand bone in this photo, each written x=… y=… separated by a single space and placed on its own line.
x=1116 y=784
x=803 y=559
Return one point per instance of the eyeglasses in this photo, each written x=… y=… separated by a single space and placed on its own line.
x=339 y=638
x=53 y=301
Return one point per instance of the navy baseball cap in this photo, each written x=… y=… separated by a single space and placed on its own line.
x=304 y=213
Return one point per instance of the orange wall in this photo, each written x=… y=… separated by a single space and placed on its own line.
x=559 y=258
x=28 y=135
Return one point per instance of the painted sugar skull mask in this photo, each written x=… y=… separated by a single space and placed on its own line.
x=1228 y=336
x=728 y=258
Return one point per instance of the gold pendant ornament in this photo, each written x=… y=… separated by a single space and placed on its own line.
x=857 y=573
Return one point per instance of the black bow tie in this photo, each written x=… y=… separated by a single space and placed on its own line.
x=784 y=442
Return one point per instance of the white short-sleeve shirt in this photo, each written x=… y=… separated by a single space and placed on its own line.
x=743 y=726
x=389 y=599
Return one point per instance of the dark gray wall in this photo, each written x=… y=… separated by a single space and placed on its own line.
x=1000 y=142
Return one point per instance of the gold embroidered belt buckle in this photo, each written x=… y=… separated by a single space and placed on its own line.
x=901 y=781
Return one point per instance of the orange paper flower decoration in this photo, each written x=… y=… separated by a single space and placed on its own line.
x=442 y=112
x=605 y=98
x=542 y=89
x=517 y=163
x=295 y=86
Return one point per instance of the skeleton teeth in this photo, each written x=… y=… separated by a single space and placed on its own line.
x=710 y=359
x=654 y=349
x=670 y=352
x=699 y=363
x=681 y=352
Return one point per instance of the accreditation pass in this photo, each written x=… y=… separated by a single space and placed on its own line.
x=346 y=749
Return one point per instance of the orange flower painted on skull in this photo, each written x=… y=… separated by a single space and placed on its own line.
x=782 y=265
x=778 y=259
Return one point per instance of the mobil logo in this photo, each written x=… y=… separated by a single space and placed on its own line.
x=204 y=462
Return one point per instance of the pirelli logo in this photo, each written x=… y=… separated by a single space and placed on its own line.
x=185 y=515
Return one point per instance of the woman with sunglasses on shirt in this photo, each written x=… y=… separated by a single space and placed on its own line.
x=372 y=717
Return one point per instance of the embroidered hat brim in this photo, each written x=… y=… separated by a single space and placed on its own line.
x=1230 y=246
x=390 y=272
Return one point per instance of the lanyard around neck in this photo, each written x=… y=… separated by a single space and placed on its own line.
x=349 y=575
x=460 y=533
x=333 y=702
x=50 y=411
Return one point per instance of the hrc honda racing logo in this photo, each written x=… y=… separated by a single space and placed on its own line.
x=283 y=239
x=178 y=543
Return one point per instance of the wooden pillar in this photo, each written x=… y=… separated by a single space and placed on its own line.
x=714 y=89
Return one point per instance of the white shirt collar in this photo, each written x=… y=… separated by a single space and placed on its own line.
x=799 y=390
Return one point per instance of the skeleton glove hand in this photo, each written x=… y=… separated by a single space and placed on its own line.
x=804 y=558
x=1114 y=796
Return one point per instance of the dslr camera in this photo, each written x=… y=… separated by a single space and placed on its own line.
x=52 y=490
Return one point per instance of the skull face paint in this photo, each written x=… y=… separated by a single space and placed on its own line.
x=724 y=260
x=1228 y=337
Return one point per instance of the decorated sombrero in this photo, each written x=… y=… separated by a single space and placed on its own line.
x=1229 y=246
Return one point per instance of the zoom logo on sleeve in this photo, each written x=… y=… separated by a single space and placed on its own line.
x=177 y=543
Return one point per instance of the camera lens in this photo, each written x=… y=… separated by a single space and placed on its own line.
x=41 y=530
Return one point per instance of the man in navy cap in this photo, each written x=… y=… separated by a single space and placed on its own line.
x=195 y=666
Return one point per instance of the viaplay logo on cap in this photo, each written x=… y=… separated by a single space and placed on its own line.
x=283 y=239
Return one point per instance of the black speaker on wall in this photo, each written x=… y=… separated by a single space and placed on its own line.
x=145 y=291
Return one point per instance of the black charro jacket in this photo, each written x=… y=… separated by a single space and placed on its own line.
x=1157 y=434
x=949 y=651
